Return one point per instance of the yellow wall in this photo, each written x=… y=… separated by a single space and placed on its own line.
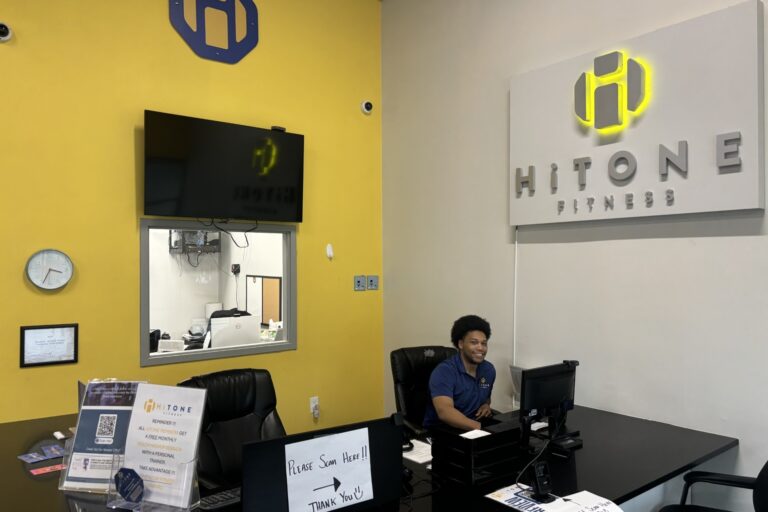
x=76 y=79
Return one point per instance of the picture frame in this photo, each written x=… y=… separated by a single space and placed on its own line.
x=42 y=345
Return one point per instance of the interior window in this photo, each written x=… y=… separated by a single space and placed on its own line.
x=212 y=290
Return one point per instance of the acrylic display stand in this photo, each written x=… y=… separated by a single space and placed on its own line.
x=187 y=491
x=68 y=485
x=68 y=444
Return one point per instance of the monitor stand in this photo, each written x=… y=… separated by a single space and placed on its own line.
x=564 y=442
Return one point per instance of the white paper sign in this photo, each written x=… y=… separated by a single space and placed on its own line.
x=474 y=434
x=162 y=441
x=588 y=502
x=49 y=345
x=329 y=472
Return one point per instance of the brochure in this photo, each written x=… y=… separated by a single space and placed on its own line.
x=102 y=427
x=162 y=441
x=519 y=497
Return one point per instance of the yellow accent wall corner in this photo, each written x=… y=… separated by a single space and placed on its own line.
x=72 y=104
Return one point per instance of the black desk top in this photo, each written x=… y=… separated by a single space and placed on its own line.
x=17 y=486
x=622 y=457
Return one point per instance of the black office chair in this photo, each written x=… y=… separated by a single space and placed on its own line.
x=240 y=407
x=411 y=369
x=759 y=486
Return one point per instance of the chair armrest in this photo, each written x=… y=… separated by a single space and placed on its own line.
x=745 y=482
x=413 y=430
x=693 y=477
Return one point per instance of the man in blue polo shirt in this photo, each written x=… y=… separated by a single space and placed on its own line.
x=460 y=386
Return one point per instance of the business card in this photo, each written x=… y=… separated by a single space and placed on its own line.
x=31 y=458
x=47 y=469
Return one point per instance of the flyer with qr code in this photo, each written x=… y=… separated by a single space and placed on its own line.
x=162 y=441
x=102 y=427
x=520 y=497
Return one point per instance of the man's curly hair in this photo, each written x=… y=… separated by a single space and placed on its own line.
x=466 y=324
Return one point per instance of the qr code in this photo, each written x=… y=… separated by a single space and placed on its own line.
x=106 y=426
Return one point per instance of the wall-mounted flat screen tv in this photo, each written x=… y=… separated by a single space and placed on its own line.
x=211 y=169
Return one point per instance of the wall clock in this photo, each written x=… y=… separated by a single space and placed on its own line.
x=49 y=269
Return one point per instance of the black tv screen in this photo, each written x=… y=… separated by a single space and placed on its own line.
x=211 y=169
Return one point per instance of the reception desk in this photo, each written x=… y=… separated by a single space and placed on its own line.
x=622 y=458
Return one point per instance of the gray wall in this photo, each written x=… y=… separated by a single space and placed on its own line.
x=666 y=315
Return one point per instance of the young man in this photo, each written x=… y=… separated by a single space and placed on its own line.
x=460 y=386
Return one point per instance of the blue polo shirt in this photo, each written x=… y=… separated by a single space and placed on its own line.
x=451 y=379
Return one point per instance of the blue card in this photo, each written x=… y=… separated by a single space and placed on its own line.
x=129 y=485
x=52 y=451
x=30 y=458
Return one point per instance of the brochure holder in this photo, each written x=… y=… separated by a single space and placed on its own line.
x=186 y=485
x=68 y=444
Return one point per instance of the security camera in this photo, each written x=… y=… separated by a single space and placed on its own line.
x=5 y=32
x=366 y=107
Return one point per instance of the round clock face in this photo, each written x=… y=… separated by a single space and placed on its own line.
x=49 y=269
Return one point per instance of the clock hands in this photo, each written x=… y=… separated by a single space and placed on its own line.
x=51 y=270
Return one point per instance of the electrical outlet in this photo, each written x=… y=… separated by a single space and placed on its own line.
x=314 y=406
x=359 y=283
x=236 y=268
x=373 y=282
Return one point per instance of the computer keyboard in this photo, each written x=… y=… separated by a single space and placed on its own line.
x=220 y=499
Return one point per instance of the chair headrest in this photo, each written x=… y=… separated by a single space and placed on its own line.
x=235 y=393
x=415 y=360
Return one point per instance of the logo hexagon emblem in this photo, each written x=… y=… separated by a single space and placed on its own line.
x=221 y=30
x=609 y=97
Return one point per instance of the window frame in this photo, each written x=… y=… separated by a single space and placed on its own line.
x=288 y=290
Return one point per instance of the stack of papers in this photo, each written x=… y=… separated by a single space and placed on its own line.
x=519 y=497
x=474 y=434
x=421 y=453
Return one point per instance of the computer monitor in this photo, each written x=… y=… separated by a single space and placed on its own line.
x=353 y=467
x=547 y=393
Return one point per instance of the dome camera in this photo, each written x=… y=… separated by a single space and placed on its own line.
x=366 y=107
x=5 y=32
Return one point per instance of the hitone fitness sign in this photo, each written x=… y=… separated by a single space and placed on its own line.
x=668 y=123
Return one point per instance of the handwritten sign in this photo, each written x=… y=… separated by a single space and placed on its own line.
x=330 y=472
x=589 y=502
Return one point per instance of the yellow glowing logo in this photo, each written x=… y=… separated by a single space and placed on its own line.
x=265 y=157
x=617 y=91
x=150 y=405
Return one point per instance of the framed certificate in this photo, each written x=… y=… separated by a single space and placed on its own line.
x=48 y=344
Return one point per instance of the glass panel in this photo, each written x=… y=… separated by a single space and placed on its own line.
x=215 y=291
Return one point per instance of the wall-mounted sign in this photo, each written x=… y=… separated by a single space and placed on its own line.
x=670 y=122
x=48 y=344
x=616 y=91
x=225 y=31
